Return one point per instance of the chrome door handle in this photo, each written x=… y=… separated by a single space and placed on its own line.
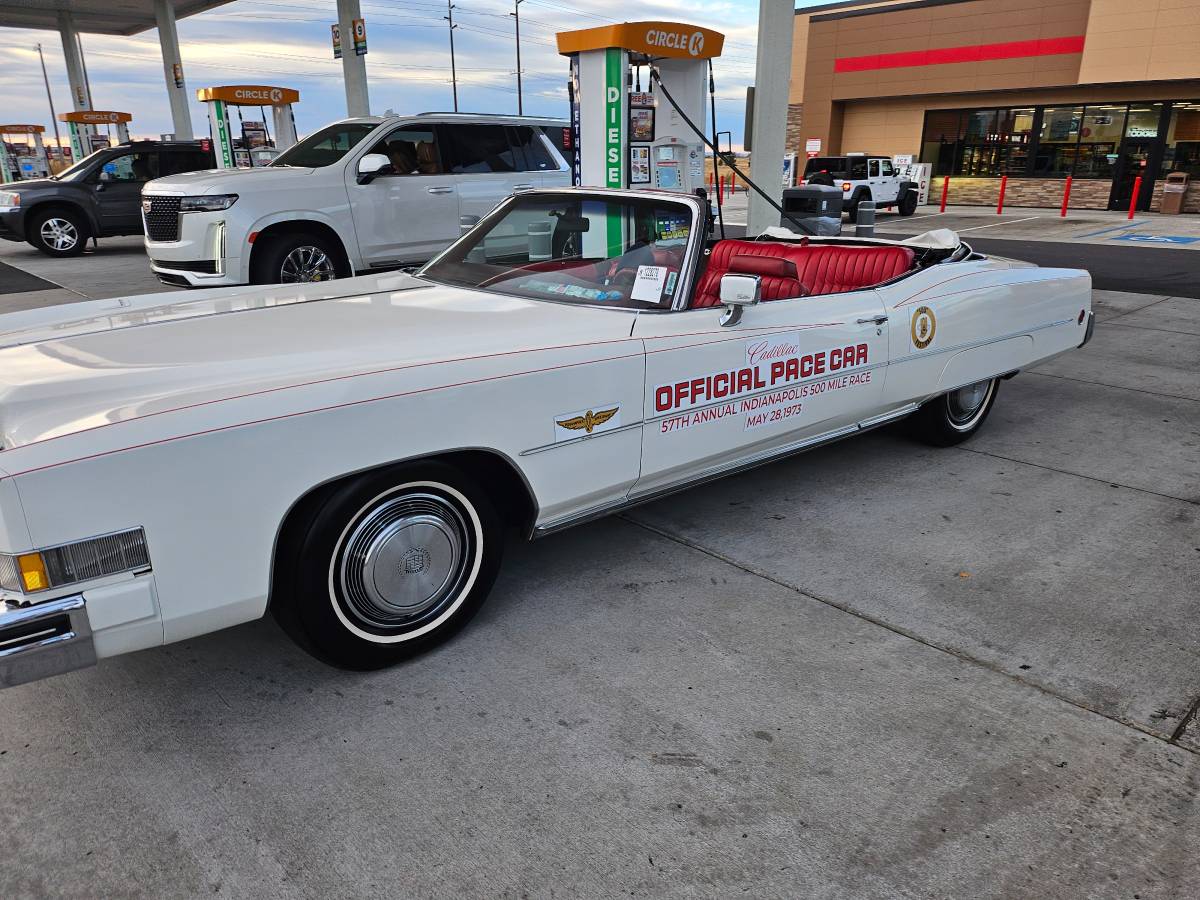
x=873 y=320
x=440 y=190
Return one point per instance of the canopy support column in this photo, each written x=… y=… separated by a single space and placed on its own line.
x=354 y=67
x=168 y=40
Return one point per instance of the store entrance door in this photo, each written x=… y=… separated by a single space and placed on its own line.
x=1136 y=156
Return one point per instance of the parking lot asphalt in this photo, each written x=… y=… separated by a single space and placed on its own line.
x=874 y=670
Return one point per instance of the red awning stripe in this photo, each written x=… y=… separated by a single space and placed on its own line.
x=973 y=53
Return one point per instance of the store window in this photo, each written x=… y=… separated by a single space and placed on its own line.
x=1099 y=139
x=1183 y=140
x=1058 y=141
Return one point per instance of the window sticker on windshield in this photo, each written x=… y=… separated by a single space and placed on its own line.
x=671 y=277
x=648 y=285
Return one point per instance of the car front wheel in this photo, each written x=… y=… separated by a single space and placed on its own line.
x=955 y=416
x=392 y=564
x=59 y=232
x=296 y=259
x=908 y=203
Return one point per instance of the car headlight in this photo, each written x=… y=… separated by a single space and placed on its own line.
x=9 y=199
x=210 y=203
x=41 y=570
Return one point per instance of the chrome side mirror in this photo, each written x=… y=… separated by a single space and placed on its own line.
x=737 y=292
x=371 y=165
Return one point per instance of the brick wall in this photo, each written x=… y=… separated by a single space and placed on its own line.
x=795 y=119
x=1039 y=192
x=1087 y=193
x=1191 y=198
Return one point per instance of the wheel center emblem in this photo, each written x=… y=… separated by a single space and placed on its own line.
x=415 y=561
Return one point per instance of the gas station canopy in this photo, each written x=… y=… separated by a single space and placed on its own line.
x=124 y=17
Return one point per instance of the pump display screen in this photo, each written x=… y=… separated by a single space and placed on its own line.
x=601 y=250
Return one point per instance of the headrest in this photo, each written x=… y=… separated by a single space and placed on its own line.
x=426 y=152
x=764 y=266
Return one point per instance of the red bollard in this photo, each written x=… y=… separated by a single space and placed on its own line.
x=1066 y=196
x=1137 y=189
x=945 y=192
x=721 y=185
x=1000 y=202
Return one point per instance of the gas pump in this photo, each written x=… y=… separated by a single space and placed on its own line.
x=631 y=138
x=84 y=140
x=220 y=99
x=18 y=163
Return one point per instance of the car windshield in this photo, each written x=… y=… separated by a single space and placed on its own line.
x=325 y=147
x=611 y=251
x=77 y=171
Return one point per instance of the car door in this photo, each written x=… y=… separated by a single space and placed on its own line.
x=118 y=186
x=787 y=372
x=410 y=211
x=485 y=166
x=889 y=183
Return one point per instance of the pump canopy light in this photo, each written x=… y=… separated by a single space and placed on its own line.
x=626 y=138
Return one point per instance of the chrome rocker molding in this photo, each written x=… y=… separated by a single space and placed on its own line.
x=44 y=639
x=722 y=470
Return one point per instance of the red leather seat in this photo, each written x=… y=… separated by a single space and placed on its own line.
x=820 y=269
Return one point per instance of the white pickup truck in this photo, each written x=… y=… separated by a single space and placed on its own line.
x=358 y=195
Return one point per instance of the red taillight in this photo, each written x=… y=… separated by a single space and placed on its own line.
x=1082 y=316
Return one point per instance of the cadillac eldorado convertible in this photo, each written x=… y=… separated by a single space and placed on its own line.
x=350 y=455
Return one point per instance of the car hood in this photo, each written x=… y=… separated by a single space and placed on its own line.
x=30 y=185
x=220 y=181
x=66 y=369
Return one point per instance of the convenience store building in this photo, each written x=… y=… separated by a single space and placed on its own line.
x=1101 y=90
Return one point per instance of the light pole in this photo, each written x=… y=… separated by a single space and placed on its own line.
x=453 y=71
x=516 y=14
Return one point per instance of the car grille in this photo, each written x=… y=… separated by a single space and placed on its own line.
x=162 y=218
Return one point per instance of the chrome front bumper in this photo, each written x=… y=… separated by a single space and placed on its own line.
x=44 y=639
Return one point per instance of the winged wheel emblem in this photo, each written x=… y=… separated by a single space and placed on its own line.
x=588 y=421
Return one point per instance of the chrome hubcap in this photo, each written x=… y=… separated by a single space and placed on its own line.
x=306 y=264
x=965 y=405
x=405 y=559
x=59 y=234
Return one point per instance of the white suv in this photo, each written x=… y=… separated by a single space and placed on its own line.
x=864 y=177
x=360 y=194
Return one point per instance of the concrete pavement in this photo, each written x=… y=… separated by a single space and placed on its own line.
x=876 y=670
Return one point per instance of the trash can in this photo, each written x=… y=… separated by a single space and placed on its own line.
x=813 y=209
x=1173 y=190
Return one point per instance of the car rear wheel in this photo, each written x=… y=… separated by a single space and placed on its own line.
x=59 y=232
x=391 y=565
x=908 y=203
x=955 y=416
x=296 y=259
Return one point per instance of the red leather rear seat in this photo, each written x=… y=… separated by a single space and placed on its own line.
x=820 y=269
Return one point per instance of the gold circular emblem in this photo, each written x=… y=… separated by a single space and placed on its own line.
x=924 y=326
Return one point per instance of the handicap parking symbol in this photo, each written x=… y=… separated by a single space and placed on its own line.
x=1157 y=238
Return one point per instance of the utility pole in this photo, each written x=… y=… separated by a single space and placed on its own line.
x=516 y=14
x=453 y=71
x=50 y=98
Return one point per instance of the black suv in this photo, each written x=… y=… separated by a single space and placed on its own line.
x=99 y=196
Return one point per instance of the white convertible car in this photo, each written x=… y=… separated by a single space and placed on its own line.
x=350 y=454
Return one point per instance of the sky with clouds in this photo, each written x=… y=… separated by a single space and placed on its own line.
x=287 y=43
